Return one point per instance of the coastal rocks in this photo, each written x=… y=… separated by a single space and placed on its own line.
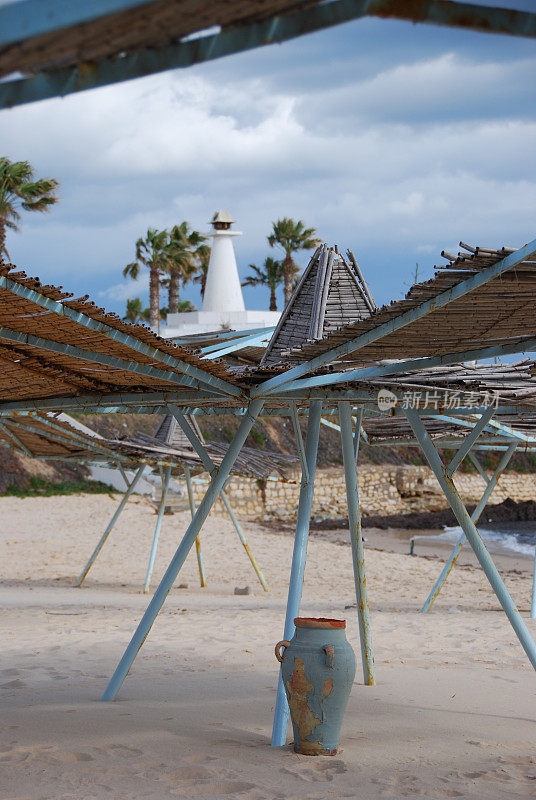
x=507 y=511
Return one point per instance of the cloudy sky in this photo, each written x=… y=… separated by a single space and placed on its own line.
x=392 y=139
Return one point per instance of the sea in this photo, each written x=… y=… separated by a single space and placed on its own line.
x=509 y=538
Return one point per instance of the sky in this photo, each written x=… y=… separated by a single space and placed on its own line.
x=391 y=139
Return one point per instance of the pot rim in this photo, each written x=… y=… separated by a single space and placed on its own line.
x=319 y=622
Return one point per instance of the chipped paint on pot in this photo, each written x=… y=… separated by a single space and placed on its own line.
x=318 y=669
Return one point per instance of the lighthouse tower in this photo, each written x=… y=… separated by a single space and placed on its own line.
x=222 y=289
x=223 y=303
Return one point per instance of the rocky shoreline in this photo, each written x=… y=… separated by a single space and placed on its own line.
x=506 y=511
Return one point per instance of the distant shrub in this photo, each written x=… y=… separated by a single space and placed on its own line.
x=39 y=487
x=258 y=437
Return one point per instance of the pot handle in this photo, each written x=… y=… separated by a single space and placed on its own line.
x=329 y=650
x=278 y=647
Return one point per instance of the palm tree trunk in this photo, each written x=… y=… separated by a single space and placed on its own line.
x=154 y=298
x=273 y=301
x=204 y=274
x=3 y=250
x=288 y=275
x=173 y=291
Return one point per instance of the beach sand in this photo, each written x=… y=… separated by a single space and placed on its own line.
x=452 y=715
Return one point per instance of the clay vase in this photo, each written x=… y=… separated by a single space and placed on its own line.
x=318 y=669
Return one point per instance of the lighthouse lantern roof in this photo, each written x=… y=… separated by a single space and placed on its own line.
x=222 y=220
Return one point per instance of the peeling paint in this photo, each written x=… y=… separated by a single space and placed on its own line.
x=328 y=686
x=303 y=717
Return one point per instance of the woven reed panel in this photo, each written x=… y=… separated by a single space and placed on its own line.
x=28 y=371
x=132 y=451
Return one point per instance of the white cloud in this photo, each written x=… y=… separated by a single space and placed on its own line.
x=447 y=87
x=418 y=155
x=127 y=290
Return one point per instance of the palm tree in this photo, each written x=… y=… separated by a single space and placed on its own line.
x=152 y=253
x=203 y=257
x=185 y=305
x=182 y=261
x=291 y=236
x=271 y=276
x=134 y=311
x=19 y=190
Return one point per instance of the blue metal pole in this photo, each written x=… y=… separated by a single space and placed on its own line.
x=478 y=466
x=299 y=555
x=533 y=602
x=356 y=539
x=468 y=526
x=299 y=440
x=470 y=440
x=110 y=525
x=243 y=540
x=438 y=585
x=161 y=508
x=358 y=433
x=16 y=439
x=198 y=552
x=215 y=486
x=123 y=474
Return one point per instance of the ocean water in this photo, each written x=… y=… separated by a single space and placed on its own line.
x=513 y=538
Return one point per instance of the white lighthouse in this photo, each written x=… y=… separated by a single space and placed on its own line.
x=222 y=289
x=223 y=303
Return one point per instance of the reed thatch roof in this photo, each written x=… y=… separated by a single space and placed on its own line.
x=62 y=436
x=52 y=345
x=331 y=293
x=501 y=311
x=61 y=353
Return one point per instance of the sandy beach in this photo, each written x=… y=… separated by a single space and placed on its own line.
x=452 y=715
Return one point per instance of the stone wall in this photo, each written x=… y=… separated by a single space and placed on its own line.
x=382 y=489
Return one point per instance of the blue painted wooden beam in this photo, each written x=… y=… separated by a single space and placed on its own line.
x=197 y=339
x=103 y=402
x=240 y=38
x=217 y=351
x=237 y=338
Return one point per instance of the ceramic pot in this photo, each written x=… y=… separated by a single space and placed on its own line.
x=318 y=669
